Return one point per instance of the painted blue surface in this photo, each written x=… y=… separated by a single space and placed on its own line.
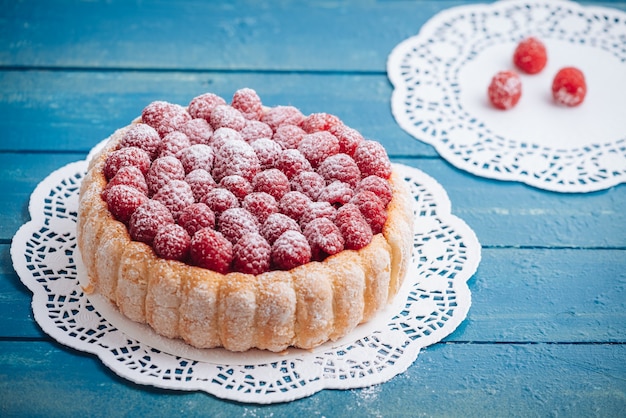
x=546 y=333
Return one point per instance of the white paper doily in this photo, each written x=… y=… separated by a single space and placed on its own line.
x=440 y=79
x=434 y=300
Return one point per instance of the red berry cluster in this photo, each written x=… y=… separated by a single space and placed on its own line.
x=530 y=56
x=240 y=187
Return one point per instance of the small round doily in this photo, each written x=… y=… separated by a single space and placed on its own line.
x=433 y=301
x=440 y=79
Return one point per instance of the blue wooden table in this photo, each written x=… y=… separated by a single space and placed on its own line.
x=546 y=333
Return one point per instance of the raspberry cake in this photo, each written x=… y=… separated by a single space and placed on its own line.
x=244 y=226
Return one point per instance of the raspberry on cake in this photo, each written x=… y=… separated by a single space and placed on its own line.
x=243 y=226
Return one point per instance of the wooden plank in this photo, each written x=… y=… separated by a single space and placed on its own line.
x=40 y=379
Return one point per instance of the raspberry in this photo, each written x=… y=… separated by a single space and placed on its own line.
x=252 y=254
x=202 y=106
x=292 y=162
x=288 y=136
x=261 y=205
x=172 y=242
x=308 y=182
x=248 y=102
x=569 y=87
x=142 y=136
x=371 y=158
x=219 y=200
x=165 y=117
x=239 y=186
x=505 y=90
x=162 y=171
x=372 y=208
x=282 y=115
x=290 y=250
x=254 y=130
x=294 y=204
x=225 y=116
x=198 y=130
x=340 y=167
x=235 y=157
x=201 y=182
x=130 y=176
x=173 y=143
x=124 y=157
x=324 y=238
x=176 y=196
x=317 y=210
x=353 y=226
x=319 y=122
x=223 y=135
x=318 y=146
x=267 y=152
x=277 y=224
x=272 y=181
x=379 y=186
x=530 y=56
x=348 y=138
x=195 y=217
x=147 y=219
x=211 y=250
x=336 y=193
x=123 y=201
x=235 y=222
x=194 y=157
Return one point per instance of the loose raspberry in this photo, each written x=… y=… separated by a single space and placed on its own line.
x=569 y=87
x=162 y=171
x=353 y=226
x=308 y=182
x=172 y=242
x=124 y=157
x=142 y=136
x=176 y=196
x=282 y=115
x=290 y=250
x=277 y=224
x=194 y=157
x=292 y=162
x=202 y=106
x=238 y=185
x=165 y=117
x=211 y=250
x=195 y=217
x=219 y=200
x=235 y=222
x=324 y=237
x=319 y=122
x=340 y=167
x=272 y=181
x=336 y=193
x=318 y=146
x=225 y=116
x=505 y=90
x=267 y=151
x=294 y=204
x=130 y=176
x=288 y=136
x=252 y=254
x=254 y=130
x=317 y=210
x=348 y=138
x=372 y=208
x=530 y=56
x=372 y=159
x=248 y=102
x=235 y=157
x=198 y=130
x=147 y=219
x=261 y=205
x=201 y=182
x=377 y=185
x=173 y=143
x=222 y=136
x=123 y=201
